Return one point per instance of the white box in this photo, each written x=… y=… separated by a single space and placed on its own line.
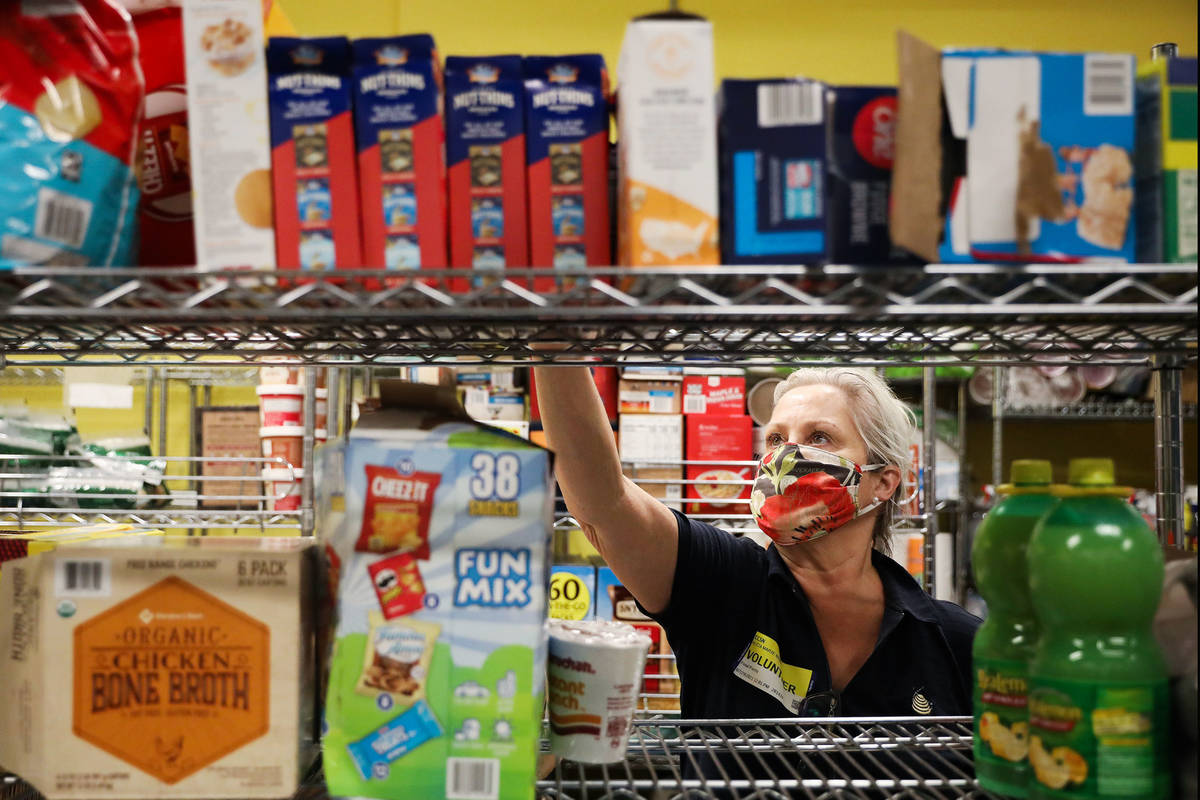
x=229 y=141
x=647 y=438
x=667 y=143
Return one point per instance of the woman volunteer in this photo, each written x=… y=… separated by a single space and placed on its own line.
x=821 y=622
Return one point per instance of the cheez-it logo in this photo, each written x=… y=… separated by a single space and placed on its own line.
x=171 y=680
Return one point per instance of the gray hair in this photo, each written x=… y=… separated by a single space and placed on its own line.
x=885 y=423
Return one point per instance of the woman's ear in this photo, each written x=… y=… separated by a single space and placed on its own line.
x=889 y=482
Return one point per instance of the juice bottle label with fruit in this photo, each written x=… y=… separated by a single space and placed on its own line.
x=1002 y=721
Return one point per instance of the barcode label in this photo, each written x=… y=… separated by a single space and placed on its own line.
x=1107 y=85
x=62 y=217
x=782 y=104
x=662 y=402
x=83 y=577
x=472 y=778
x=695 y=404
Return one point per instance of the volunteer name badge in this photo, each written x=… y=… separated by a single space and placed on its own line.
x=761 y=667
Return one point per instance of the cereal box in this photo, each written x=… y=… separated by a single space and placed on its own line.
x=714 y=438
x=639 y=394
x=184 y=670
x=399 y=133
x=312 y=154
x=566 y=121
x=1050 y=157
x=667 y=143
x=1167 y=161
x=438 y=666
x=229 y=146
x=485 y=154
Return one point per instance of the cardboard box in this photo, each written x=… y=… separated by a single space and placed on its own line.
x=667 y=206
x=714 y=393
x=229 y=433
x=566 y=118
x=718 y=439
x=1050 y=157
x=615 y=602
x=929 y=207
x=178 y=671
x=643 y=395
x=485 y=153
x=438 y=670
x=572 y=591
x=399 y=134
x=313 y=154
x=646 y=438
x=229 y=145
x=1167 y=161
x=486 y=405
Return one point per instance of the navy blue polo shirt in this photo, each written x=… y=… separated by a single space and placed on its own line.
x=747 y=644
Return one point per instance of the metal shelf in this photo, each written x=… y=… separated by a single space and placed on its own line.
x=1094 y=410
x=903 y=757
x=977 y=314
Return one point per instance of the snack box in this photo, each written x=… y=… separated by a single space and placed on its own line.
x=716 y=438
x=438 y=667
x=399 y=133
x=650 y=438
x=639 y=394
x=615 y=602
x=667 y=206
x=715 y=392
x=566 y=123
x=1050 y=157
x=485 y=152
x=313 y=154
x=19 y=544
x=572 y=591
x=179 y=671
x=1166 y=161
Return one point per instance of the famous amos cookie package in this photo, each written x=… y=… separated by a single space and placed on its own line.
x=439 y=538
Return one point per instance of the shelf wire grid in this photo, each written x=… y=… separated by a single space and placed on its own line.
x=946 y=313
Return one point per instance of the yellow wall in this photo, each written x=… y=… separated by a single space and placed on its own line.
x=841 y=41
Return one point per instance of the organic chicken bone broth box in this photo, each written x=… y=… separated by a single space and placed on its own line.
x=438 y=668
x=185 y=670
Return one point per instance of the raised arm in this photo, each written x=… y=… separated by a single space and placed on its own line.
x=637 y=535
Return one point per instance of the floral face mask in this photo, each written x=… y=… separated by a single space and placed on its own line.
x=802 y=493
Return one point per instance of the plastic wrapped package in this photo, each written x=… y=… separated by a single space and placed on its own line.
x=71 y=94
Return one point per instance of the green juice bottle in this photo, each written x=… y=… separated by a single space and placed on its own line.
x=1004 y=643
x=1098 y=721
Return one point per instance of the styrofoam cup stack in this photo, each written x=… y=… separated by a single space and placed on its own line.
x=280 y=404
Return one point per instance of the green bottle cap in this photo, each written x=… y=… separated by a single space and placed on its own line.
x=1091 y=472
x=1030 y=472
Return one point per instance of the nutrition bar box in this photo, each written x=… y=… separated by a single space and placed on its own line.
x=312 y=153
x=1167 y=161
x=399 y=135
x=485 y=151
x=566 y=120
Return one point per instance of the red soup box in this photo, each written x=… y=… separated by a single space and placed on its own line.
x=714 y=394
x=716 y=438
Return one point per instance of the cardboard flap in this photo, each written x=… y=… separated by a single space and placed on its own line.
x=424 y=397
x=915 y=221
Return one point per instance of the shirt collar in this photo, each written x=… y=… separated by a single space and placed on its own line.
x=900 y=591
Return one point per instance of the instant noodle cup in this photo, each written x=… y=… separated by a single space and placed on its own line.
x=593 y=675
x=286 y=442
x=282 y=488
x=280 y=404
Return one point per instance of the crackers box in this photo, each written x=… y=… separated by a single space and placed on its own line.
x=312 y=153
x=715 y=439
x=1167 y=161
x=1050 y=157
x=229 y=146
x=485 y=153
x=573 y=591
x=667 y=143
x=566 y=121
x=399 y=134
x=438 y=668
x=655 y=442
x=648 y=395
x=184 y=670
x=715 y=392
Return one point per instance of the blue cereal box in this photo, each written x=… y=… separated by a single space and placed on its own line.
x=573 y=591
x=399 y=135
x=1050 y=157
x=441 y=565
x=485 y=154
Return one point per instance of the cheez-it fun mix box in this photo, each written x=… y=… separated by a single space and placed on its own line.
x=566 y=101
x=485 y=153
x=180 y=671
x=438 y=667
x=312 y=154
x=401 y=168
